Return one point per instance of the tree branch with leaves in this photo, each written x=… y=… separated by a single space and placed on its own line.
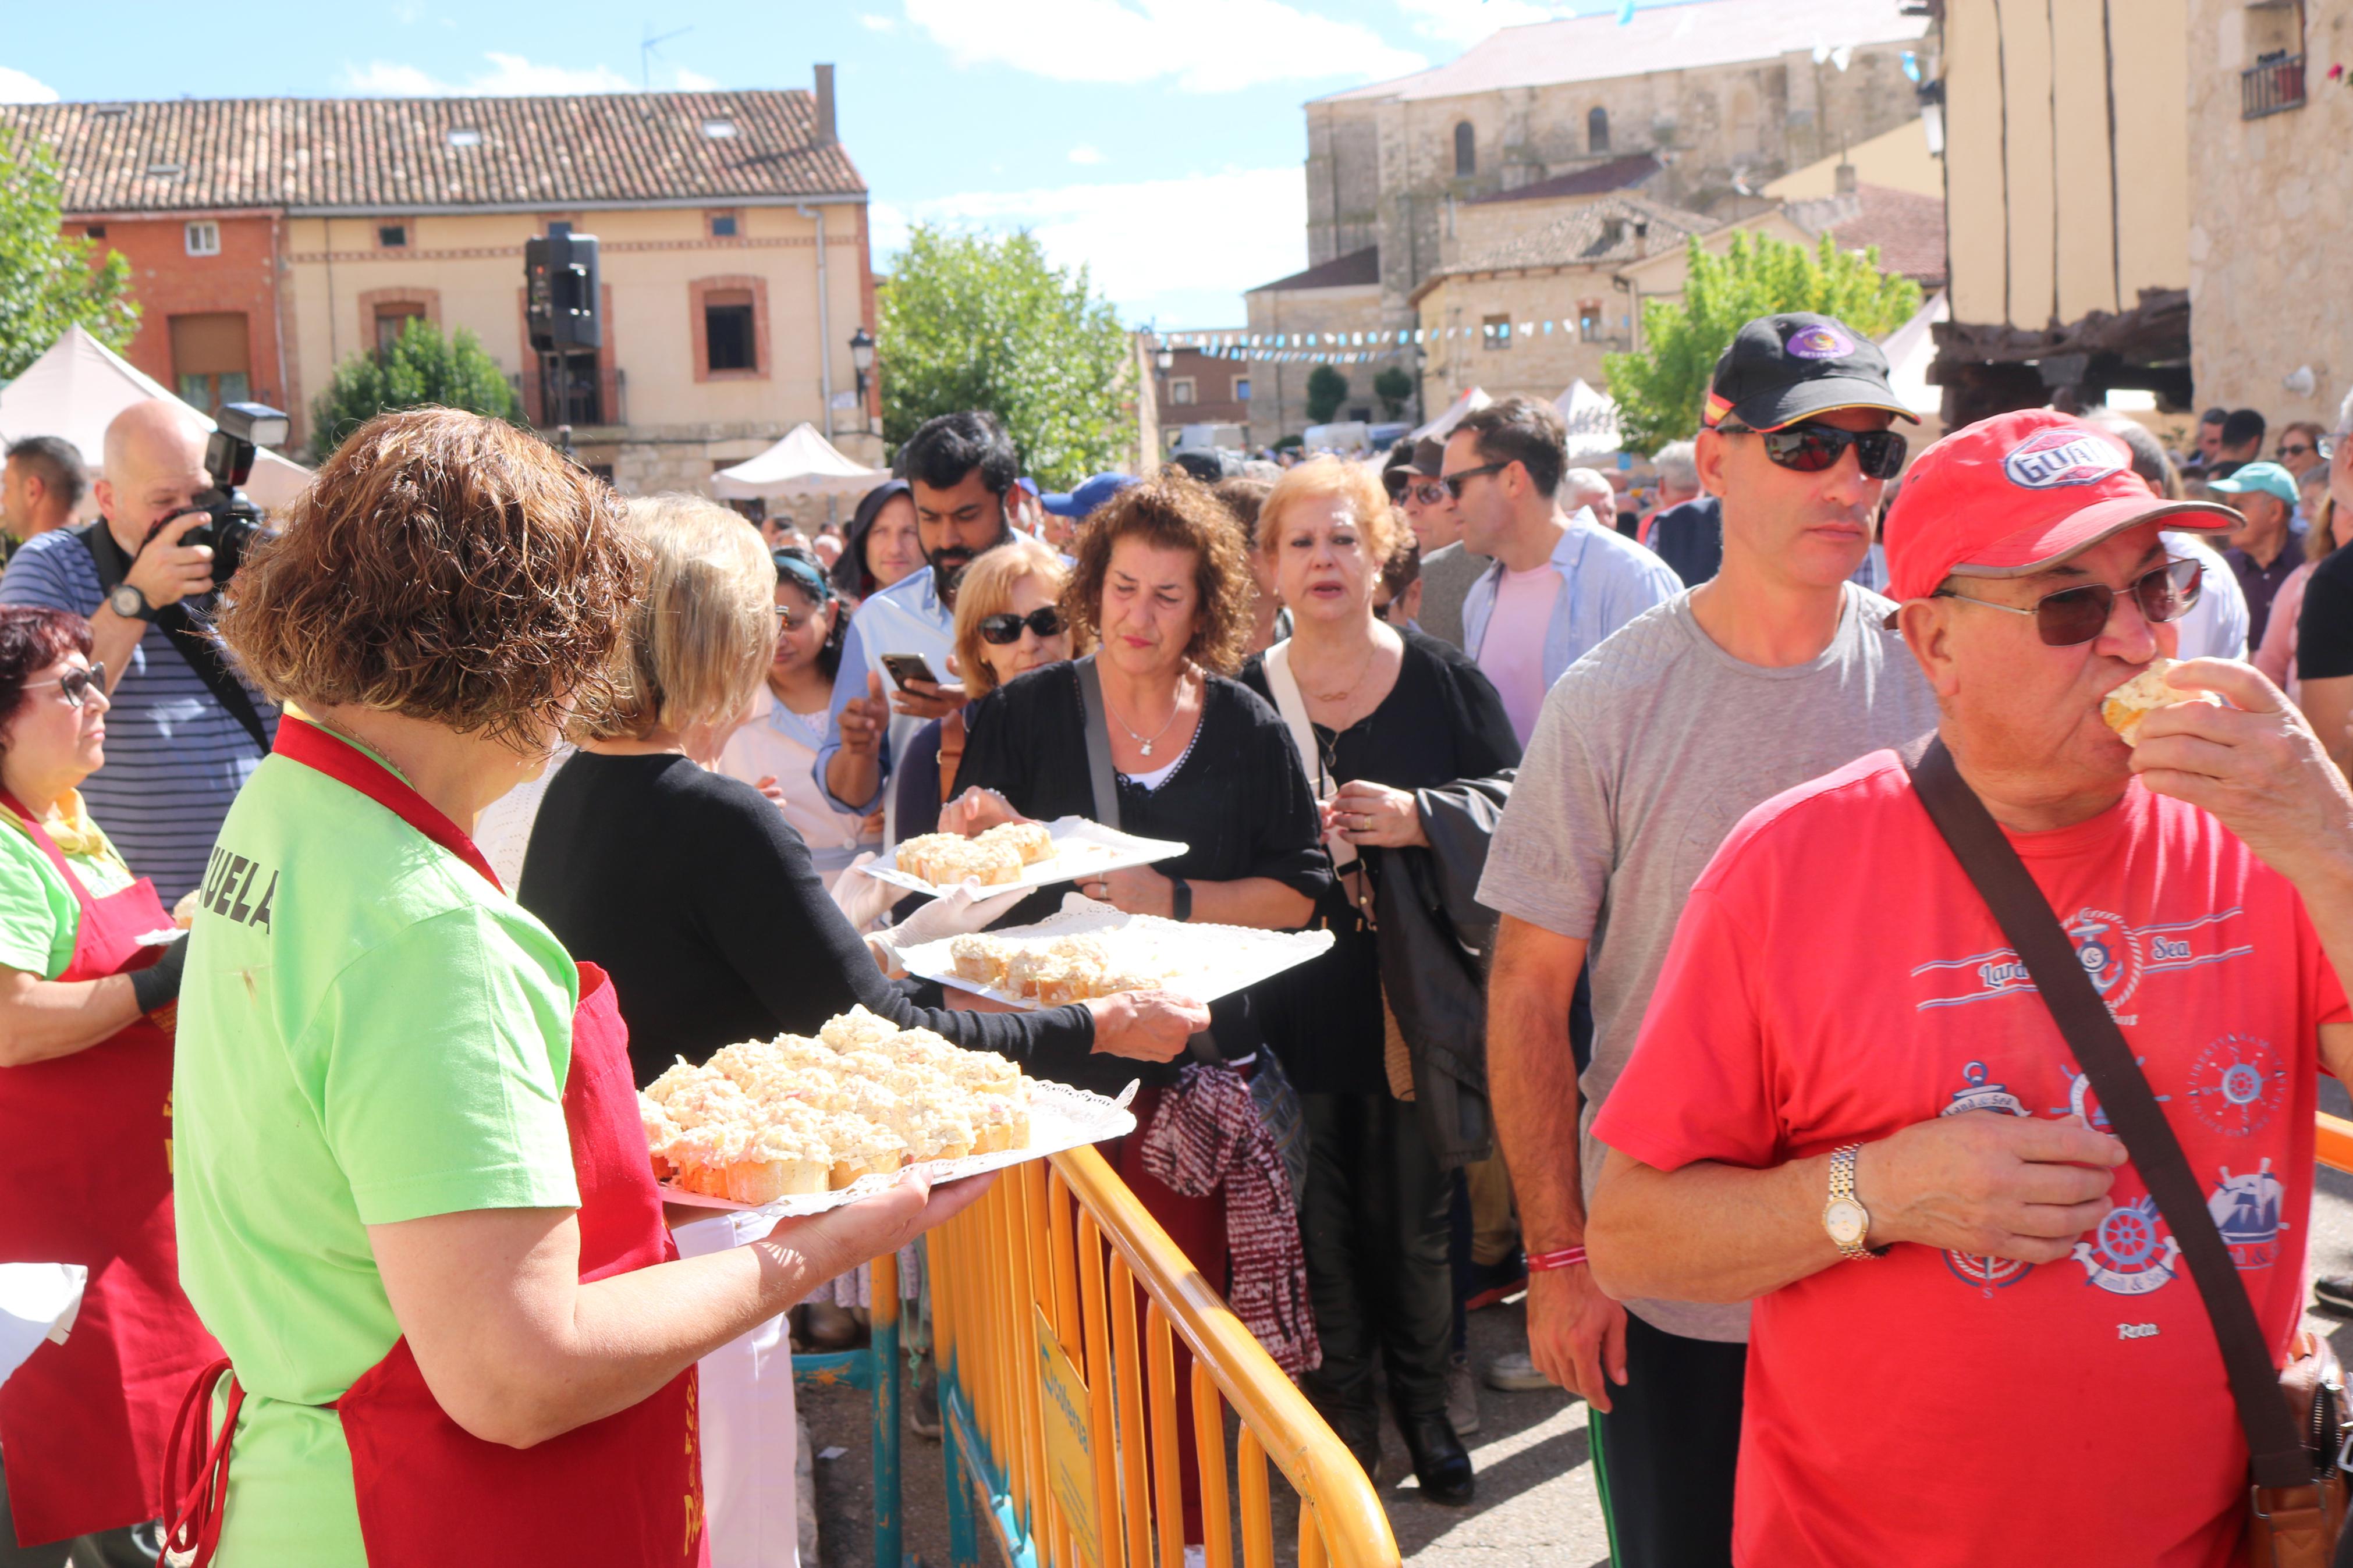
x=50 y=281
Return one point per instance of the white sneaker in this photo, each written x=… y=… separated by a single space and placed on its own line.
x=1462 y=1397
x=1514 y=1373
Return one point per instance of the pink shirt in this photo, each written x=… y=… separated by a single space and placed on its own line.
x=1512 y=653
x=1834 y=978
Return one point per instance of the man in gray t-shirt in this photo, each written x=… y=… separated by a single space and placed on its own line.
x=1647 y=752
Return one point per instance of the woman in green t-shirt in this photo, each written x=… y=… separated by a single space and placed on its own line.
x=85 y=1087
x=415 y=1203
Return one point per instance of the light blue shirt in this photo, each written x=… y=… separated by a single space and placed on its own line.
x=908 y=616
x=1606 y=580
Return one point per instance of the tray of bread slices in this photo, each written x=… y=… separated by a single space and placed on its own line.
x=1089 y=949
x=1018 y=855
x=798 y=1125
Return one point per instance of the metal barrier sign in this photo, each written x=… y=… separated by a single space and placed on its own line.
x=1069 y=1447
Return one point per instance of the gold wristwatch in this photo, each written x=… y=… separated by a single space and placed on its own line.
x=1845 y=1216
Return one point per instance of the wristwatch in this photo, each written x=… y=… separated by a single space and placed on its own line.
x=130 y=604
x=1845 y=1216
x=1180 y=899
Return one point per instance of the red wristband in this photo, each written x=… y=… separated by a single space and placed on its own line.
x=1544 y=1262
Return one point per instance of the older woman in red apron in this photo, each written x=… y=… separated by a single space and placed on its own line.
x=416 y=1206
x=85 y=1124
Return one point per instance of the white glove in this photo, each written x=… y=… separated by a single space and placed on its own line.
x=963 y=908
x=863 y=899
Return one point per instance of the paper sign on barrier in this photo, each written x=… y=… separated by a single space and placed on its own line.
x=1070 y=1446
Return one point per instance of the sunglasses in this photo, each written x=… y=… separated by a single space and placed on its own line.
x=1005 y=627
x=74 y=684
x=794 y=620
x=2072 y=616
x=1452 y=483
x=1811 y=449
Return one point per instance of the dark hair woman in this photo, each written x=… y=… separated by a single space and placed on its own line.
x=414 y=1204
x=776 y=747
x=882 y=546
x=84 y=1118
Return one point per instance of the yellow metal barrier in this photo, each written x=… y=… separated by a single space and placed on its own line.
x=1060 y=1397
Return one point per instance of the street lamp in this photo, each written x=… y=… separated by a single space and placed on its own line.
x=1165 y=358
x=861 y=355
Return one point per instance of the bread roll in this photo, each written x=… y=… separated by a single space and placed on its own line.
x=2125 y=707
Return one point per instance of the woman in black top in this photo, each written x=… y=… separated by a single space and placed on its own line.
x=1389 y=712
x=692 y=890
x=1164 y=589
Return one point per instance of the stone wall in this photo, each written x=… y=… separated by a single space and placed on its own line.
x=2270 y=217
x=1538 y=365
x=1279 y=389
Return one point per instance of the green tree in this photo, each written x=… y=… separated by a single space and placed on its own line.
x=1326 y=390
x=423 y=367
x=50 y=281
x=981 y=320
x=1661 y=390
x=1394 y=387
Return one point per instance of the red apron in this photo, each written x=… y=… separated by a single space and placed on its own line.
x=628 y=1488
x=86 y=1168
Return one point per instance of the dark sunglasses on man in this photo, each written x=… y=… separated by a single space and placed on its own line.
x=2072 y=616
x=1809 y=448
x=75 y=685
x=1452 y=483
x=1004 y=626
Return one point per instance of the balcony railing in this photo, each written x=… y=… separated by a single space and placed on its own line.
x=2271 y=85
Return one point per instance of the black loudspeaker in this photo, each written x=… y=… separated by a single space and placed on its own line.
x=560 y=283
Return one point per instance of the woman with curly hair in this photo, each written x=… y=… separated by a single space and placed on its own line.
x=414 y=1201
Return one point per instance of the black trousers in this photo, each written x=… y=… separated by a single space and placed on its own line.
x=1663 y=1456
x=1376 y=1233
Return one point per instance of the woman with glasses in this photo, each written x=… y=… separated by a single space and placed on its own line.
x=1008 y=623
x=2303 y=447
x=90 y=967
x=776 y=747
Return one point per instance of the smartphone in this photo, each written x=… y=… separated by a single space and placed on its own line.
x=907 y=667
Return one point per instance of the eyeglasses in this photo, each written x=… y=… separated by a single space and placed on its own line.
x=1429 y=492
x=2072 y=616
x=1452 y=483
x=2285 y=450
x=74 y=684
x=1005 y=627
x=1810 y=448
x=793 y=620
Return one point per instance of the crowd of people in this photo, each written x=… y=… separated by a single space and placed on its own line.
x=483 y=797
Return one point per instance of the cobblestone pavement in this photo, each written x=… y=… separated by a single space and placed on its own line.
x=1535 y=1502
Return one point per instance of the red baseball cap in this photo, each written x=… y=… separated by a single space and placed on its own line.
x=2014 y=494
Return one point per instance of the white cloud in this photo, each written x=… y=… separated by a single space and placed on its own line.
x=874 y=24
x=19 y=87
x=1205 y=45
x=1082 y=154
x=1465 y=22
x=1243 y=228
x=509 y=76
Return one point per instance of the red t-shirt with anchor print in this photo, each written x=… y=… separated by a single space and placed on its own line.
x=1835 y=979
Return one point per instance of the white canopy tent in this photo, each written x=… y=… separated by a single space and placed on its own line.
x=803 y=464
x=1911 y=349
x=1441 y=428
x=76 y=387
x=1592 y=421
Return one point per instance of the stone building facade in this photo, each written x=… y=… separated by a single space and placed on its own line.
x=1330 y=305
x=2271 y=163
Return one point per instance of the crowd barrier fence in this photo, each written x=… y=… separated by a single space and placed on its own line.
x=874 y=1369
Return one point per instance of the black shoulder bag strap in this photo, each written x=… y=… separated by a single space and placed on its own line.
x=1099 y=768
x=2277 y=1448
x=195 y=645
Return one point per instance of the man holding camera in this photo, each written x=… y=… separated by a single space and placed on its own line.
x=183 y=732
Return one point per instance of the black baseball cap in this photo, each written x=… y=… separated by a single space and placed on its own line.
x=1409 y=460
x=1781 y=369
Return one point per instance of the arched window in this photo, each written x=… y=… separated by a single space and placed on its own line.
x=1466 y=151
x=1597 y=130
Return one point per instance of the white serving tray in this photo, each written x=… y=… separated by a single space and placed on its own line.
x=1215 y=960
x=1060 y=1118
x=1081 y=849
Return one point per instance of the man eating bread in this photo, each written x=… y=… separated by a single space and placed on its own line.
x=1974 y=1336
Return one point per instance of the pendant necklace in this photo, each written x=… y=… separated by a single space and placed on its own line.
x=1143 y=744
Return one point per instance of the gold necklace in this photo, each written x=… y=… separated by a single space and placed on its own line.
x=1362 y=670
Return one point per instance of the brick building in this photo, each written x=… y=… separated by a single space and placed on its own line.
x=272 y=238
x=1201 y=385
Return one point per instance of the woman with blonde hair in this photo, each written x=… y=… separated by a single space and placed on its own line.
x=1008 y=623
x=1394 y=729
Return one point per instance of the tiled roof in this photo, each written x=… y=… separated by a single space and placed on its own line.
x=1908 y=228
x=1599 y=234
x=1353 y=271
x=411 y=155
x=1670 y=37
x=1617 y=174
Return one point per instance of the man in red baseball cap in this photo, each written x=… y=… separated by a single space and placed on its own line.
x=1974 y=1339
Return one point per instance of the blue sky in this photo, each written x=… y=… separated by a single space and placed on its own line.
x=1158 y=142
